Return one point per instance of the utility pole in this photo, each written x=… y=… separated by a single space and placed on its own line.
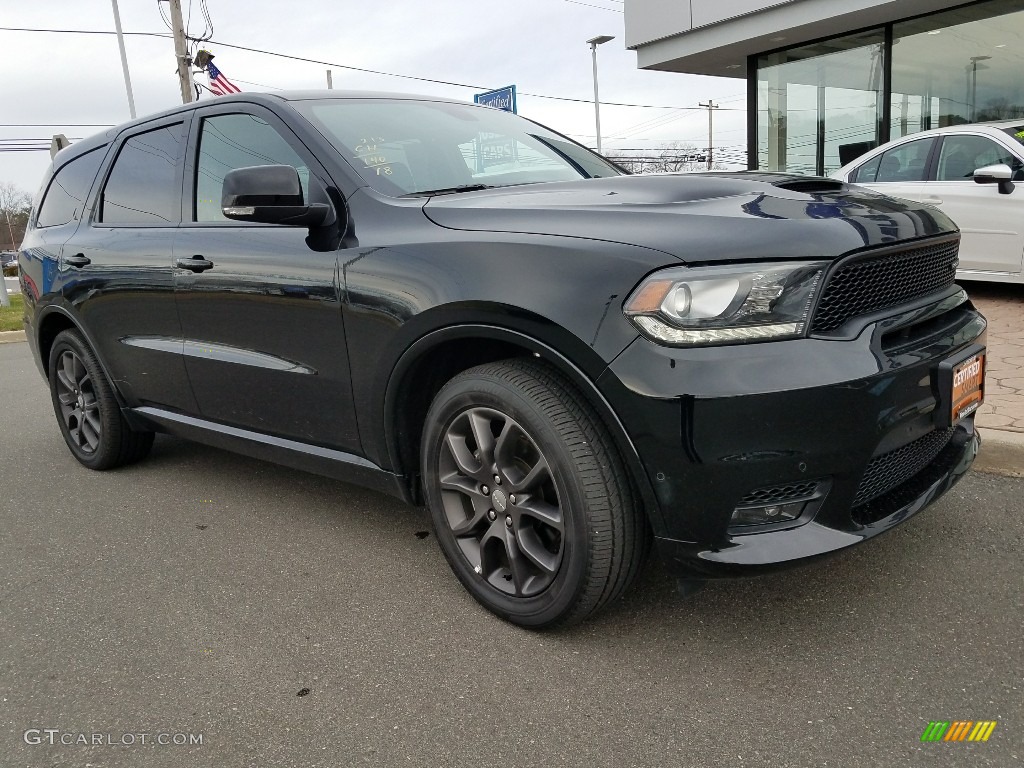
x=711 y=107
x=330 y=81
x=181 y=53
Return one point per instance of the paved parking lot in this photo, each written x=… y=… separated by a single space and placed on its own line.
x=292 y=620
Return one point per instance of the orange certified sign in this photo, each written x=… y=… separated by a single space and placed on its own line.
x=968 y=386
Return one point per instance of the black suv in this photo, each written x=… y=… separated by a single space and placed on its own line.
x=464 y=309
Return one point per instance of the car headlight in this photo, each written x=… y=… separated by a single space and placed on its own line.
x=726 y=305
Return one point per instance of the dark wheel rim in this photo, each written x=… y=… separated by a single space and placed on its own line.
x=78 y=404
x=500 y=501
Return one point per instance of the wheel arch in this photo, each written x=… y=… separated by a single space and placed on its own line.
x=51 y=322
x=435 y=358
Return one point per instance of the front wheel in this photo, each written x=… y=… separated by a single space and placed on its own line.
x=530 y=501
x=87 y=411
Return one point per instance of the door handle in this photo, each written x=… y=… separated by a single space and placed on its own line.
x=931 y=200
x=78 y=260
x=197 y=263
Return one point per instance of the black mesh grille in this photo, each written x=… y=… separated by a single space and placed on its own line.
x=871 y=283
x=779 y=494
x=906 y=493
x=892 y=469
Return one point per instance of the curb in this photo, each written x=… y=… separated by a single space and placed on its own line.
x=9 y=337
x=1002 y=453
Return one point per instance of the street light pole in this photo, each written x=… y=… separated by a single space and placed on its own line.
x=124 y=60
x=593 y=43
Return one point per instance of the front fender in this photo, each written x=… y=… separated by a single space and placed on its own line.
x=481 y=341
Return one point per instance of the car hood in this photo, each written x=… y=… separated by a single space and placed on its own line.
x=699 y=218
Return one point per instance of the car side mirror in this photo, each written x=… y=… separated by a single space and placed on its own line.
x=1000 y=174
x=269 y=194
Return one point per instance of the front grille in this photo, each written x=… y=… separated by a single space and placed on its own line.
x=779 y=494
x=892 y=469
x=869 y=283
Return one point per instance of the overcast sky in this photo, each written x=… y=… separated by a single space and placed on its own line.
x=539 y=45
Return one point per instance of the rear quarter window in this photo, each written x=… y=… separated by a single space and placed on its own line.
x=65 y=197
x=866 y=173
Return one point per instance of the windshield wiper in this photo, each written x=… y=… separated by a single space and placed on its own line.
x=450 y=190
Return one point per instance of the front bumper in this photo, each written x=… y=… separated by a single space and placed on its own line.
x=713 y=426
x=753 y=554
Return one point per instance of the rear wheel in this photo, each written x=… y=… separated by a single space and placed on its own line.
x=87 y=411
x=529 y=498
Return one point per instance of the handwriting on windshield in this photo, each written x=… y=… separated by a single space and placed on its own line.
x=368 y=150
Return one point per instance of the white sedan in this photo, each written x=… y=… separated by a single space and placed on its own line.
x=969 y=172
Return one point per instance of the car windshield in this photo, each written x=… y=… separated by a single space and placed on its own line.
x=1016 y=132
x=408 y=147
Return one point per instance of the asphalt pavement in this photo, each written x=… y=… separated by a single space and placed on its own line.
x=285 y=619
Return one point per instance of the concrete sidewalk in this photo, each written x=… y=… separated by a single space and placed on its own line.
x=1001 y=418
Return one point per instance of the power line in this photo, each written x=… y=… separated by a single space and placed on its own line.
x=443 y=82
x=25 y=141
x=599 y=7
x=259 y=85
x=56 y=125
x=359 y=69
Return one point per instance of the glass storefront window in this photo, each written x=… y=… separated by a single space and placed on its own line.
x=815 y=100
x=960 y=66
x=822 y=105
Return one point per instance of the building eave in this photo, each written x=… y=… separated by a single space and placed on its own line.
x=722 y=48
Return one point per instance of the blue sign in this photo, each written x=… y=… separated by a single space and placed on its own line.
x=502 y=98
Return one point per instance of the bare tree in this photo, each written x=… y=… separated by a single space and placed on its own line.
x=999 y=109
x=15 y=206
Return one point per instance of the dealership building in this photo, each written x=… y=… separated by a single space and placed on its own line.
x=829 y=79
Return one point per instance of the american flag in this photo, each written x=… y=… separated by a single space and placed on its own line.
x=219 y=84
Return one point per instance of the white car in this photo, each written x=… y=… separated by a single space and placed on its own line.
x=969 y=172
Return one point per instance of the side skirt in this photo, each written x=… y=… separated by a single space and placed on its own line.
x=339 y=465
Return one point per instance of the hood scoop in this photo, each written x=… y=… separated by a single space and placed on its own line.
x=812 y=185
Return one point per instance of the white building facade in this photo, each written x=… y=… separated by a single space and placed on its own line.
x=829 y=79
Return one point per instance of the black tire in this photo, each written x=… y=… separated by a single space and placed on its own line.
x=573 y=539
x=87 y=411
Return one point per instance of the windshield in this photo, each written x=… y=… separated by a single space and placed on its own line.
x=406 y=147
x=1016 y=132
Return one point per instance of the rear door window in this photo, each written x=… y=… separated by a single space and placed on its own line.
x=907 y=162
x=65 y=198
x=143 y=186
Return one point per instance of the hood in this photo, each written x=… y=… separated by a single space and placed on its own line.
x=699 y=218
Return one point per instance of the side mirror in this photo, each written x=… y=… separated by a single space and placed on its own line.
x=269 y=194
x=1000 y=174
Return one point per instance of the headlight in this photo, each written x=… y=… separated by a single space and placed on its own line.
x=726 y=305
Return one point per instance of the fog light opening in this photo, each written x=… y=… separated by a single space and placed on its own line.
x=767 y=514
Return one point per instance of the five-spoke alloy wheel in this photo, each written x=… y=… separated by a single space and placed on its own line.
x=529 y=498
